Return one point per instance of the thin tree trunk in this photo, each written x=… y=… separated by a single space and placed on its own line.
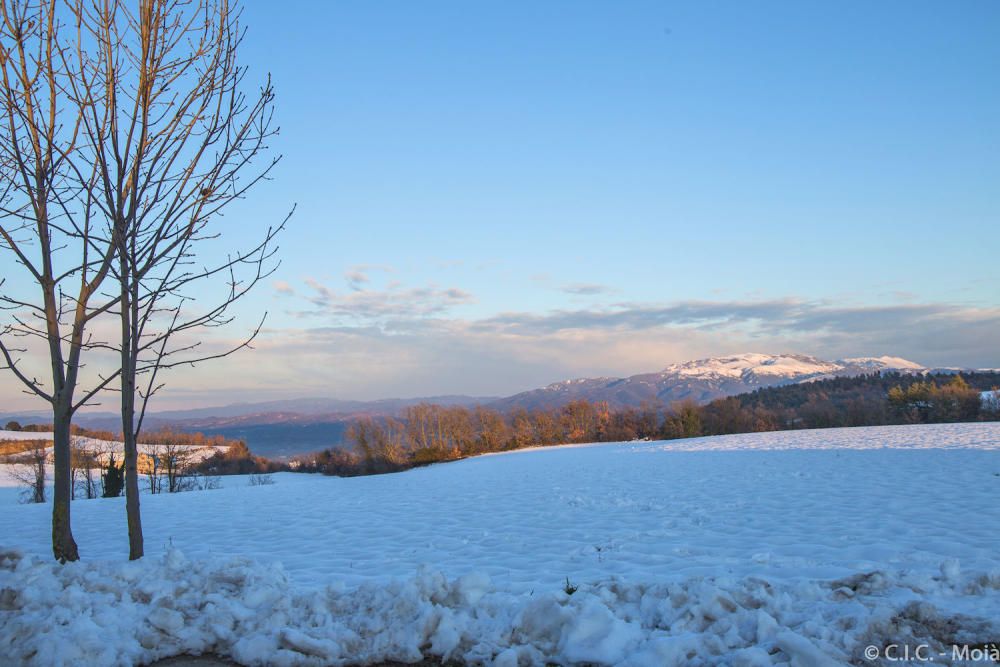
x=135 y=544
x=63 y=545
x=132 y=514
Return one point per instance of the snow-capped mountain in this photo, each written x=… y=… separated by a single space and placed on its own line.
x=703 y=380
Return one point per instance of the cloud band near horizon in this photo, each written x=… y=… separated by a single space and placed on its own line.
x=369 y=342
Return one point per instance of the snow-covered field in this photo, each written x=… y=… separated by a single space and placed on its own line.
x=797 y=548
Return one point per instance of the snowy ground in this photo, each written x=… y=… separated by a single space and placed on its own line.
x=793 y=548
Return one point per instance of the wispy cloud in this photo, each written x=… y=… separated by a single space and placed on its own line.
x=365 y=305
x=283 y=288
x=630 y=316
x=586 y=289
x=783 y=316
x=356 y=279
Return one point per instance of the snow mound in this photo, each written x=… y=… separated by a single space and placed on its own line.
x=128 y=613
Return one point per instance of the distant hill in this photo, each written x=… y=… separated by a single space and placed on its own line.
x=703 y=380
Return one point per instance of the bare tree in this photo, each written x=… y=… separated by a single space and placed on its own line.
x=154 y=472
x=381 y=444
x=84 y=463
x=28 y=470
x=175 y=139
x=177 y=462
x=439 y=432
x=461 y=428
x=523 y=428
x=48 y=230
x=492 y=428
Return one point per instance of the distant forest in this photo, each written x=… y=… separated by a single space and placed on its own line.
x=871 y=400
x=432 y=433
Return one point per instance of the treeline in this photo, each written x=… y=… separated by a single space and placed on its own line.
x=432 y=433
x=428 y=433
x=868 y=400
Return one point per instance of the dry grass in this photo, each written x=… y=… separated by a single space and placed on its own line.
x=12 y=447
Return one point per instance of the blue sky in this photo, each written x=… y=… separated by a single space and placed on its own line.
x=671 y=151
x=497 y=195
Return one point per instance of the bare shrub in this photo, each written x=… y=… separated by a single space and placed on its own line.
x=257 y=479
x=209 y=482
x=83 y=464
x=29 y=470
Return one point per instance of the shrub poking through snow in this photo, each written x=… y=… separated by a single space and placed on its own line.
x=257 y=479
x=28 y=468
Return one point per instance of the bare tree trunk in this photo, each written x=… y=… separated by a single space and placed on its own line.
x=39 y=460
x=90 y=490
x=135 y=544
x=153 y=473
x=63 y=545
x=128 y=358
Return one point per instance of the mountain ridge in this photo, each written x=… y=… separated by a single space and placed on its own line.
x=703 y=380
